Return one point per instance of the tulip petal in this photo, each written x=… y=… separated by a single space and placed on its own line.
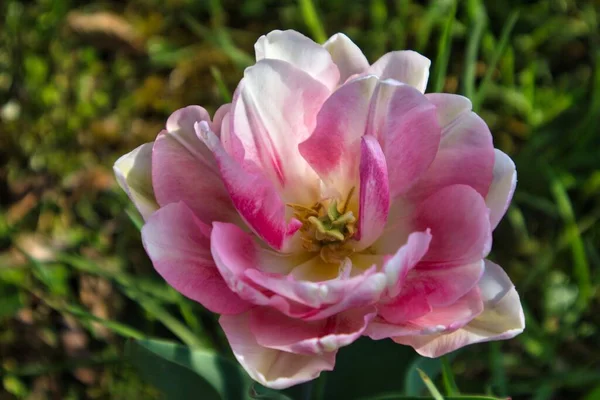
x=502 y=318
x=275 y=108
x=276 y=331
x=333 y=150
x=300 y=51
x=466 y=152
x=178 y=244
x=349 y=59
x=502 y=187
x=440 y=319
x=134 y=174
x=255 y=198
x=374 y=202
x=424 y=290
x=405 y=66
x=459 y=221
x=272 y=368
x=184 y=169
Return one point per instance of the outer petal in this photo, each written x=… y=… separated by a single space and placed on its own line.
x=346 y=55
x=134 y=174
x=502 y=318
x=255 y=197
x=459 y=221
x=272 y=368
x=502 y=187
x=466 y=152
x=374 y=200
x=276 y=331
x=424 y=290
x=183 y=169
x=404 y=66
x=440 y=319
x=275 y=108
x=300 y=51
x=178 y=244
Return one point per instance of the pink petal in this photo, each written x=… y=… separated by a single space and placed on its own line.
x=466 y=152
x=459 y=221
x=346 y=55
x=502 y=318
x=274 y=109
x=178 y=244
x=333 y=150
x=255 y=197
x=440 y=319
x=502 y=187
x=426 y=289
x=300 y=51
x=272 y=368
x=374 y=200
x=406 y=125
x=183 y=169
x=404 y=66
x=276 y=331
x=134 y=174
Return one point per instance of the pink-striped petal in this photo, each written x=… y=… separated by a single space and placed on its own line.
x=300 y=51
x=272 y=368
x=178 y=244
x=134 y=174
x=276 y=331
x=346 y=55
x=255 y=197
x=274 y=109
x=502 y=318
x=184 y=169
x=374 y=200
x=404 y=66
x=333 y=150
x=502 y=187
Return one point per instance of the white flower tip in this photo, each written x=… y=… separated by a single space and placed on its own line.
x=205 y=134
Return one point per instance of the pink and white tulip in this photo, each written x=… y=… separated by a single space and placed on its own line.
x=331 y=199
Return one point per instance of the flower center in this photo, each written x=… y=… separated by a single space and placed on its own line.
x=326 y=228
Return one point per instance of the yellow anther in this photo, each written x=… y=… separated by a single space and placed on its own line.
x=344 y=219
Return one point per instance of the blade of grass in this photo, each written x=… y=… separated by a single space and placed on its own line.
x=478 y=24
x=312 y=21
x=435 y=393
x=443 y=51
x=218 y=77
x=448 y=378
x=497 y=368
x=487 y=78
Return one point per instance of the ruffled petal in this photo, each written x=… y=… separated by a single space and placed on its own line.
x=276 y=331
x=348 y=57
x=502 y=187
x=274 y=109
x=374 y=200
x=502 y=318
x=272 y=368
x=425 y=290
x=134 y=174
x=178 y=244
x=255 y=198
x=300 y=51
x=405 y=66
x=184 y=169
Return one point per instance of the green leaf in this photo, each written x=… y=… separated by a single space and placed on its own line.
x=413 y=384
x=368 y=368
x=260 y=392
x=181 y=373
x=430 y=386
x=392 y=396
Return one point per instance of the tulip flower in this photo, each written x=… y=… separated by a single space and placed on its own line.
x=332 y=199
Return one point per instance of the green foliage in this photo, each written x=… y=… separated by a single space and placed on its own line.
x=83 y=82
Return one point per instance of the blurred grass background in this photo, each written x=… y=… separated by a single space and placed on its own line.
x=82 y=82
